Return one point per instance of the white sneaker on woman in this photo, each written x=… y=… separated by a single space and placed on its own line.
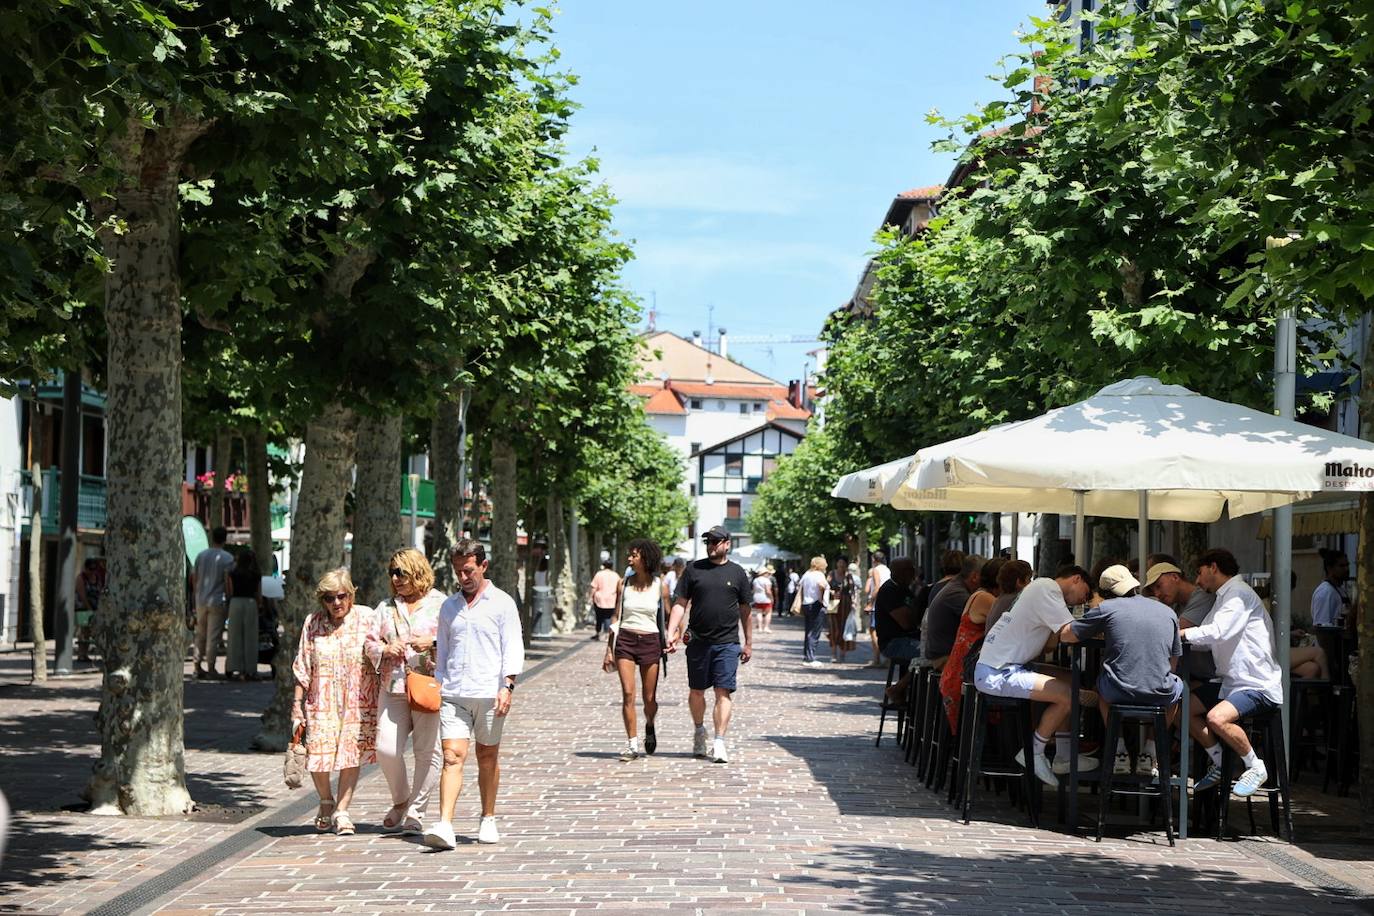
x=486 y=830
x=440 y=836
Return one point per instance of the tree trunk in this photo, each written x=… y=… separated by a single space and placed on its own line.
x=1364 y=614
x=1048 y=561
x=223 y=443
x=561 y=570
x=141 y=622
x=1194 y=542
x=863 y=575
x=259 y=498
x=503 y=519
x=317 y=543
x=69 y=504
x=379 y=529
x=39 y=659
x=444 y=466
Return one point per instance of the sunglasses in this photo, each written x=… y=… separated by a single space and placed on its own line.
x=338 y=598
x=396 y=573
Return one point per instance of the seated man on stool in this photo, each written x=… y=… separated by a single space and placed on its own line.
x=895 y=622
x=1138 y=661
x=1021 y=636
x=1242 y=639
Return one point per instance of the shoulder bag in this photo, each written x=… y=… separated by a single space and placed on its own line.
x=422 y=691
x=293 y=768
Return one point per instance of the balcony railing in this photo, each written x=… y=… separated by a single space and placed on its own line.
x=90 y=505
x=196 y=502
x=734 y=525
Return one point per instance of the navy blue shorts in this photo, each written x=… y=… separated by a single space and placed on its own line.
x=1250 y=702
x=712 y=665
x=1116 y=697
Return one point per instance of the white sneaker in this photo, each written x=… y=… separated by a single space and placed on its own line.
x=486 y=830
x=701 y=743
x=440 y=836
x=718 y=752
x=1121 y=765
x=629 y=753
x=1145 y=766
x=1086 y=764
x=1043 y=771
x=1250 y=781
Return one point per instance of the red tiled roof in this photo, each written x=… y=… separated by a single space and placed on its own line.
x=782 y=410
x=663 y=401
x=930 y=192
x=736 y=392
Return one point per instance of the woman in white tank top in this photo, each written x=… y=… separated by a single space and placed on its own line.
x=637 y=641
x=763 y=598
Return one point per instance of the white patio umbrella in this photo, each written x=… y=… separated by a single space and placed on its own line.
x=875 y=485
x=763 y=551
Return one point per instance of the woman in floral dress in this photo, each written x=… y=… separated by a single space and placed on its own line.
x=402 y=640
x=336 y=697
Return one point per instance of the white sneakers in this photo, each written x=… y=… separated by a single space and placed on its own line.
x=1121 y=765
x=1250 y=781
x=440 y=834
x=1043 y=771
x=719 y=753
x=701 y=743
x=1086 y=764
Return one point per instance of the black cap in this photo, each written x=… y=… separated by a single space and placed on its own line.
x=717 y=533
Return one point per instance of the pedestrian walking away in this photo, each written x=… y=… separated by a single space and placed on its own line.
x=636 y=642
x=601 y=595
x=401 y=645
x=814 y=589
x=207 y=584
x=480 y=652
x=763 y=598
x=844 y=592
x=243 y=589
x=878 y=574
x=336 y=697
x=718 y=592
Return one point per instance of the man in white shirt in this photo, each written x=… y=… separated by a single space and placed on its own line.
x=479 y=653
x=1021 y=636
x=1242 y=641
x=878 y=574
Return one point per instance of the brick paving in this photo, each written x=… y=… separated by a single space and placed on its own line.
x=808 y=817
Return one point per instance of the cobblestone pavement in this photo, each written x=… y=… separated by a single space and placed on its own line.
x=808 y=817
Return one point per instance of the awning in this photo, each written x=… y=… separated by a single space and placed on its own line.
x=1320 y=521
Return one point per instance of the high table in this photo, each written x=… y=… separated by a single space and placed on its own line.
x=1179 y=781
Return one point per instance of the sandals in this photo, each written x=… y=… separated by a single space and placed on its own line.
x=324 y=819
x=395 y=817
x=343 y=824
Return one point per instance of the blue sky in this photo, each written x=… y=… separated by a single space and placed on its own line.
x=755 y=146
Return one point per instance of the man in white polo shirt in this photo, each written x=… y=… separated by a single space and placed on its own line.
x=1242 y=642
x=479 y=653
x=1021 y=636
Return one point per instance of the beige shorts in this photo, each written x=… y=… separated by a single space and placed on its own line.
x=464 y=718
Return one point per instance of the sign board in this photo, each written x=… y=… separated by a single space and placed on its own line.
x=193 y=533
x=1347 y=476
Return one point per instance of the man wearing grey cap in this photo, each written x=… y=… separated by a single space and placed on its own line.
x=1141 y=652
x=719 y=592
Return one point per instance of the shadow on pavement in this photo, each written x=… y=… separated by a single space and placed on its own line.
x=883 y=879
x=40 y=854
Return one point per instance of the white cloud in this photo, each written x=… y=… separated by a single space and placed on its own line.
x=704 y=183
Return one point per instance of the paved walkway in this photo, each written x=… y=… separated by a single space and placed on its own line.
x=808 y=817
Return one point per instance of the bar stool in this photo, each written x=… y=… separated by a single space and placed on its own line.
x=931 y=722
x=963 y=740
x=1270 y=726
x=1018 y=713
x=1140 y=785
x=894 y=665
x=915 y=712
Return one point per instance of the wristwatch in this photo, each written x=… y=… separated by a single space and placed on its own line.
x=510 y=685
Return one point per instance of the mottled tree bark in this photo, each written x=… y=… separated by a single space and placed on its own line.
x=223 y=444
x=1194 y=542
x=141 y=623
x=380 y=527
x=39 y=655
x=504 y=522
x=560 y=569
x=259 y=498
x=1048 y=560
x=317 y=544
x=444 y=466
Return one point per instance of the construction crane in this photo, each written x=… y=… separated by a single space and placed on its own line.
x=770 y=339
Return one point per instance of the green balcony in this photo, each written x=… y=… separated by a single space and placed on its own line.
x=90 y=506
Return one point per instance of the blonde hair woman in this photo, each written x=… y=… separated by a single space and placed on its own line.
x=815 y=594
x=336 y=697
x=402 y=640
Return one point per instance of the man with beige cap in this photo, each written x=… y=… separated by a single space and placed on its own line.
x=1138 y=661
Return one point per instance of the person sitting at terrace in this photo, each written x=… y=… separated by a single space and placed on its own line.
x=972 y=626
x=945 y=611
x=895 y=622
x=1021 y=637
x=1242 y=641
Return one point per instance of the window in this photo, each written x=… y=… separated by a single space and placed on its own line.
x=758 y=407
x=720 y=405
x=769 y=466
x=696 y=403
x=743 y=408
x=692 y=489
x=734 y=465
x=696 y=447
x=732 y=508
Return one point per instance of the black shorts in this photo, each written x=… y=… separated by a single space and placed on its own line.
x=640 y=648
x=711 y=665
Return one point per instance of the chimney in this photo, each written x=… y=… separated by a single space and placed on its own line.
x=696 y=338
x=794 y=393
x=723 y=353
x=1040 y=87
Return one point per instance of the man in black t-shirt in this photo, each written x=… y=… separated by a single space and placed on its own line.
x=719 y=593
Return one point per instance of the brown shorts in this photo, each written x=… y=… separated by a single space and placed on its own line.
x=640 y=648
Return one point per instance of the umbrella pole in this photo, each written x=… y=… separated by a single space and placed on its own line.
x=1015 y=532
x=1144 y=523
x=1080 y=555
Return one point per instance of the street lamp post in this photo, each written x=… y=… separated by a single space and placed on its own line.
x=1285 y=400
